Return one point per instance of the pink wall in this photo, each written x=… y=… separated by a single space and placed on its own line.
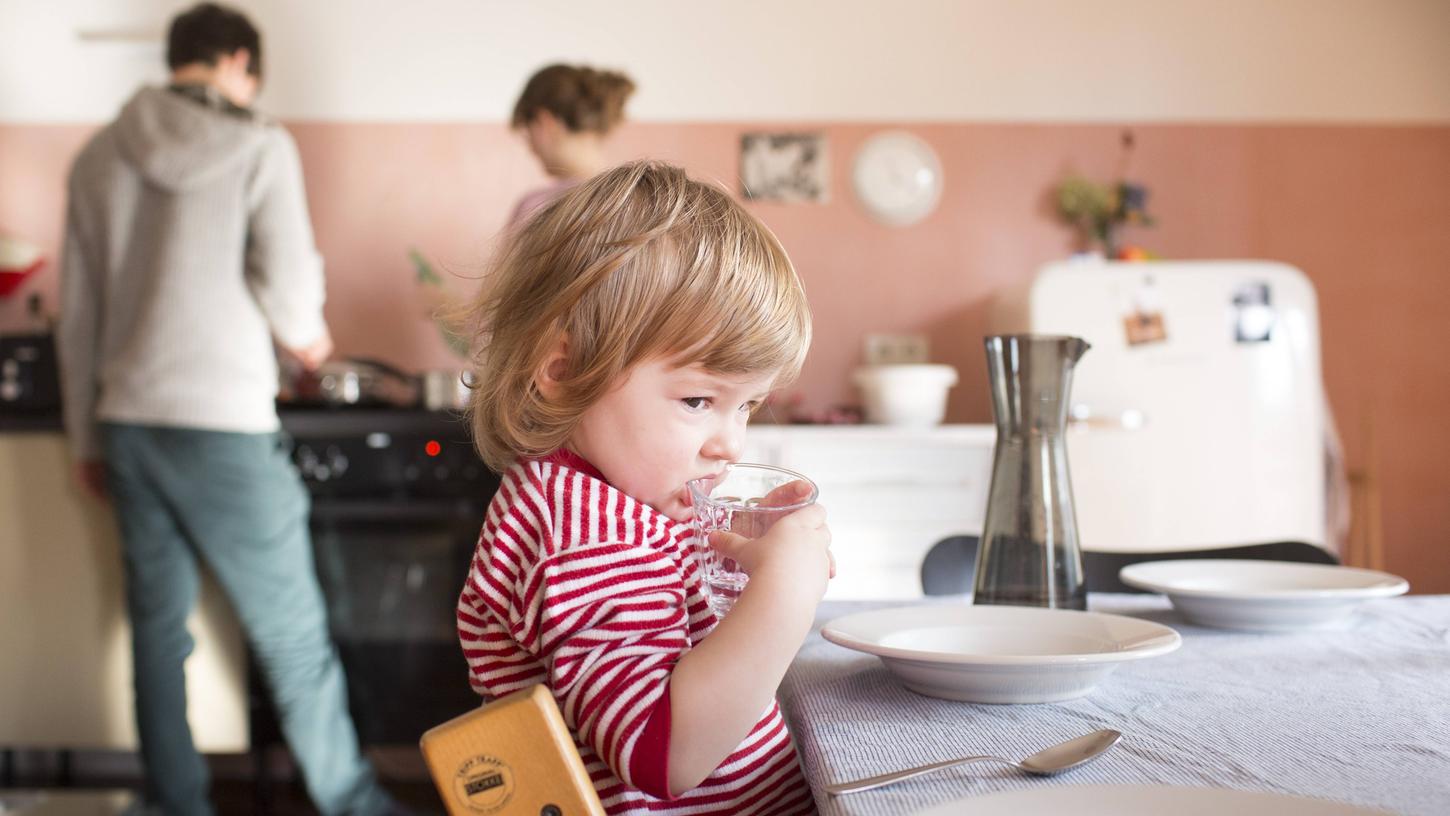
x=1362 y=210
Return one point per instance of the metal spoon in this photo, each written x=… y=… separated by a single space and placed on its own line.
x=1046 y=762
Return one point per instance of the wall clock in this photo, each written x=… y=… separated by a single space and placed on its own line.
x=897 y=178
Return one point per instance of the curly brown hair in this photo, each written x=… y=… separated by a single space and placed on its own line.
x=582 y=98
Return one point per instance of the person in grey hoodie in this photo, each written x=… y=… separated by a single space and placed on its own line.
x=188 y=254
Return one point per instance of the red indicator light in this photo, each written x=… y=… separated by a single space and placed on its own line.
x=433 y=448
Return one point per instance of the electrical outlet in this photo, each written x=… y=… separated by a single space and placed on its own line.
x=895 y=349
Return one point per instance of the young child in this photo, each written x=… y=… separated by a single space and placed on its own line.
x=626 y=335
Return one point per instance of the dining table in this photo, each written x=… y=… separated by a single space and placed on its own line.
x=1358 y=713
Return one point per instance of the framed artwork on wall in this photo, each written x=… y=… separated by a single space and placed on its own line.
x=785 y=167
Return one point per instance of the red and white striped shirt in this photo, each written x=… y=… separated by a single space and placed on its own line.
x=578 y=586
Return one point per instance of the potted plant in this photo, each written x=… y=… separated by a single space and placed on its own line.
x=1100 y=210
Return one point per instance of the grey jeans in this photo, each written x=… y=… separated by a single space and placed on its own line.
x=233 y=502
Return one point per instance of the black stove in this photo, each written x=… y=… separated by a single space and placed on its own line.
x=382 y=454
x=398 y=500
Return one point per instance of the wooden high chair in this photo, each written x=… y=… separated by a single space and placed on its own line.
x=512 y=757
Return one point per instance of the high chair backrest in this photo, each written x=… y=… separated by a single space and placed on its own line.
x=512 y=757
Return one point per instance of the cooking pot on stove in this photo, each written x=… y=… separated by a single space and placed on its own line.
x=358 y=381
x=446 y=389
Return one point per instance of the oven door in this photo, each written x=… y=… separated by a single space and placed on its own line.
x=391 y=573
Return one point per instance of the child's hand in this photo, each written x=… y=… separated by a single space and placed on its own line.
x=799 y=544
x=787 y=494
x=750 y=525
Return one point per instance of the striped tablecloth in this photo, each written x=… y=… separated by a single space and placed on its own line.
x=1359 y=714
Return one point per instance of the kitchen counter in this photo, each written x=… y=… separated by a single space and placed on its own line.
x=892 y=492
x=67 y=677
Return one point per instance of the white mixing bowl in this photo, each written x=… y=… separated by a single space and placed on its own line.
x=911 y=394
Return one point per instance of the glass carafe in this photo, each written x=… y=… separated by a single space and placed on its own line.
x=1029 y=552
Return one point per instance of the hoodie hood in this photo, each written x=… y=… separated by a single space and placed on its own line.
x=180 y=143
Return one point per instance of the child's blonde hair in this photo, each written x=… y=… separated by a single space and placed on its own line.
x=638 y=263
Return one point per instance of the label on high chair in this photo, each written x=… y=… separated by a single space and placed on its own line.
x=511 y=757
x=484 y=784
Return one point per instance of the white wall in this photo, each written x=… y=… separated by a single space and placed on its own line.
x=1151 y=60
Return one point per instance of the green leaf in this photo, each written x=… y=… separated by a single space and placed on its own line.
x=425 y=273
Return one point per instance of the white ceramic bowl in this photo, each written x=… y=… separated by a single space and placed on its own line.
x=1262 y=595
x=1000 y=654
x=913 y=394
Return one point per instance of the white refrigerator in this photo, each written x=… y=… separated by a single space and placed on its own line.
x=1199 y=412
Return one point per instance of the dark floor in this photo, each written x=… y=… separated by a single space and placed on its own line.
x=400 y=769
x=238 y=799
x=234 y=788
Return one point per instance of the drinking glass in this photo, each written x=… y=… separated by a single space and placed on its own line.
x=746 y=500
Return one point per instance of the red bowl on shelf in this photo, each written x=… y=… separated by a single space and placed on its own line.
x=18 y=261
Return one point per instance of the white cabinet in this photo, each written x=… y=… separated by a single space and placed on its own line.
x=65 y=646
x=891 y=493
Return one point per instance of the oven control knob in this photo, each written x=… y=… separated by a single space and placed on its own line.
x=306 y=461
x=441 y=473
x=410 y=473
x=336 y=461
